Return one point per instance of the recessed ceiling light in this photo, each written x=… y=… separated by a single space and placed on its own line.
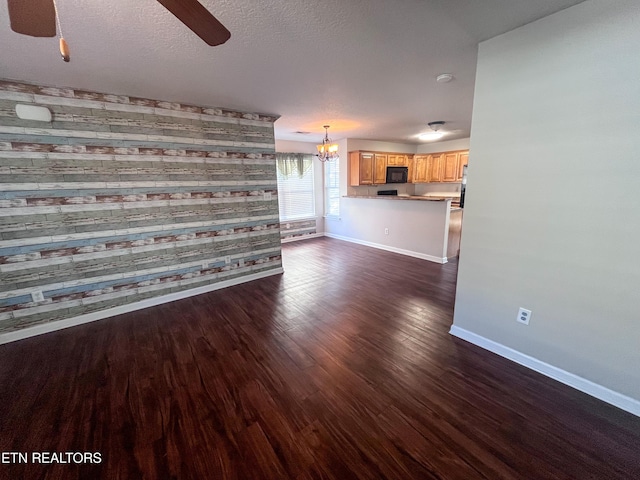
x=444 y=78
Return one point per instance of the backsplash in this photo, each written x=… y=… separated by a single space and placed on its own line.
x=438 y=189
x=122 y=199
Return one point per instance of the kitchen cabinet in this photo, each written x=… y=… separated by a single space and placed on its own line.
x=442 y=167
x=380 y=168
x=449 y=168
x=434 y=167
x=367 y=168
x=420 y=168
x=463 y=160
x=360 y=168
x=398 y=160
x=410 y=168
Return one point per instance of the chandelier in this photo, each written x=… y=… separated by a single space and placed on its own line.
x=328 y=150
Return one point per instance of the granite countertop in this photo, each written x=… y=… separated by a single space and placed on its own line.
x=402 y=197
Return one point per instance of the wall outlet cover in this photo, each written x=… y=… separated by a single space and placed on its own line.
x=524 y=316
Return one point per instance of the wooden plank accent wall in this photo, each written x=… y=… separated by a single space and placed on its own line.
x=298 y=229
x=120 y=199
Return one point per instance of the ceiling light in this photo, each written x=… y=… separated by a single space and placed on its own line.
x=435 y=134
x=444 y=78
x=327 y=150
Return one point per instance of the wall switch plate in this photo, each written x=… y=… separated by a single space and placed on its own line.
x=227 y=259
x=523 y=316
x=241 y=263
x=205 y=265
x=267 y=195
x=37 y=296
x=386 y=231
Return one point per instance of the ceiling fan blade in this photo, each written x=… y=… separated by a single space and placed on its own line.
x=36 y=18
x=198 y=19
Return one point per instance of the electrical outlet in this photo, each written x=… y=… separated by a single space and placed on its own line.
x=241 y=262
x=37 y=296
x=267 y=195
x=386 y=231
x=205 y=265
x=523 y=316
x=227 y=259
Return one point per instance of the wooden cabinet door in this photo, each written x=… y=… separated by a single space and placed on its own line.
x=410 y=163
x=434 y=167
x=420 y=168
x=360 y=168
x=463 y=160
x=366 y=169
x=450 y=167
x=397 y=160
x=380 y=169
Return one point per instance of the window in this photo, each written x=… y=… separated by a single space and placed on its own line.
x=296 y=198
x=332 y=188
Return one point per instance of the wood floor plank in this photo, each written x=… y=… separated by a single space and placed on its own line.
x=340 y=368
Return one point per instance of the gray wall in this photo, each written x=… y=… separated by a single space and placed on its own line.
x=552 y=207
x=123 y=199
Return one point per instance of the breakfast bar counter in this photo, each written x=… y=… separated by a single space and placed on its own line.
x=412 y=225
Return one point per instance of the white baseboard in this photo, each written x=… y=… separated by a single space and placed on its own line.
x=130 y=307
x=401 y=251
x=619 y=400
x=302 y=237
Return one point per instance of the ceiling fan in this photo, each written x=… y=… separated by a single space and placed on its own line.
x=37 y=18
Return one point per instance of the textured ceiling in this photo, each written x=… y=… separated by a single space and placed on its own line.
x=366 y=67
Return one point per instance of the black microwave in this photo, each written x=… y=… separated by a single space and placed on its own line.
x=397 y=174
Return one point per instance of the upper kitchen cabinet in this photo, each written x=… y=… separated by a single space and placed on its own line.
x=463 y=160
x=449 y=169
x=395 y=159
x=360 y=168
x=380 y=168
x=420 y=168
x=434 y=167
x=443 y=167
x=367 y=168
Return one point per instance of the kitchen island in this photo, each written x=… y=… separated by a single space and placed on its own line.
x=417 y=226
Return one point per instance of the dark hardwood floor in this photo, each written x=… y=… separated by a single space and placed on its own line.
x=340 y=368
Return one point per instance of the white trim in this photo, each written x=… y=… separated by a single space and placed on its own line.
x=401 y=251
x=131 y=307
x=301 y=237
x=616 y=399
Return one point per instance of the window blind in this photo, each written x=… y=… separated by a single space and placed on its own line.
x=332 y=188
x=296 y=196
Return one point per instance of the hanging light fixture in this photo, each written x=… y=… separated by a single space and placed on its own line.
x=328 y=150
x=434 y=134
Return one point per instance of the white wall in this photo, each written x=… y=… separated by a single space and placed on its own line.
x=445 y=146
x=288 y=146
x=557 y=109
x=416 y=228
